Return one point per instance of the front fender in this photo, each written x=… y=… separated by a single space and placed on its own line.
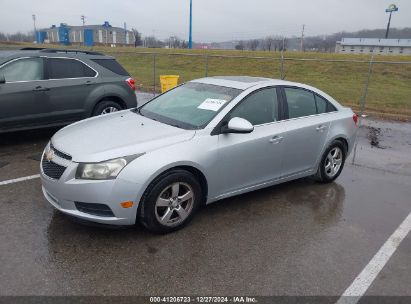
x=195 y=153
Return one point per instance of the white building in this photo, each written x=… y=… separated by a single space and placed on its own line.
x=374 y=46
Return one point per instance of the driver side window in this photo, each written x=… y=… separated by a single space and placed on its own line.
x=258 y=108
x=26 y=69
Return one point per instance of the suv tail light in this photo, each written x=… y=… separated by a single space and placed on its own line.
x=355 y=118
x=131 y=83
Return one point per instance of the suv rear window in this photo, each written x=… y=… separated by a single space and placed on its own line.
x=112 y=65
x=60 y=68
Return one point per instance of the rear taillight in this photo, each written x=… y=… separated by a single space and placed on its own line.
x=131 y=83
x=355 y=118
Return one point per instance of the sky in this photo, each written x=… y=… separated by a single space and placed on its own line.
x=213 y=20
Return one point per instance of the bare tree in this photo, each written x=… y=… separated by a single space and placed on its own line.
x=253 y=44
x=280 y=43
x=240 y=46
x=268 y=43
x=153 y=42
x=19 y=36
x=175 y=42
x=137 y=37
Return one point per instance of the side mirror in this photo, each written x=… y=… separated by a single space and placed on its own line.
x=2 y=79
x=238 y=125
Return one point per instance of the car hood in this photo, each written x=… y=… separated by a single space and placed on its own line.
x=116 y=135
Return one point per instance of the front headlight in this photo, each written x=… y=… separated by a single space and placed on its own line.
x=104 y=170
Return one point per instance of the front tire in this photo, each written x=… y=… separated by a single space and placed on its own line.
x=170 y=202
x=106 y=107
x=332 y=162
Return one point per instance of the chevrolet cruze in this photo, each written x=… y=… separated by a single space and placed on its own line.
x=203 y=141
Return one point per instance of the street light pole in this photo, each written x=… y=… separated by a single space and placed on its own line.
x=190 y=37
x=392 y=8
x=35 y=29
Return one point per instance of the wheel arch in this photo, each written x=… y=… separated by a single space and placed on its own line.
x=113 y=98
x=338 y=137
x=344 y=141
x=199 y=175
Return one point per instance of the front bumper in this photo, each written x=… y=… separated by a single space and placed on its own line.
x=62 y=194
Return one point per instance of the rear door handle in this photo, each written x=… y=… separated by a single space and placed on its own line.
x=276 y=139
x=321 y=127
x=89 y=82
x=41 y=89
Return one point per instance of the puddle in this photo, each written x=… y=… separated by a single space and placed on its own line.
x=36 y=157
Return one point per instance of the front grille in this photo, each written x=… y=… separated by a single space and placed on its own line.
x=51 y=169
x=94 y=209
x=59 y=153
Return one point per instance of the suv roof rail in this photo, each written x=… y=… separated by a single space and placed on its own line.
x=31 y=49
x=48 y=50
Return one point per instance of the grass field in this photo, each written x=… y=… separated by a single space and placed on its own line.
x=389 y=91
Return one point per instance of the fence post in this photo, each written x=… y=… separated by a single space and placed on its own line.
x=154 y=74
x=362 y=106
x=206 y=65
x=282 y=62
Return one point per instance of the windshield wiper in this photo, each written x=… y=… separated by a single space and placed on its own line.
x=138 y=111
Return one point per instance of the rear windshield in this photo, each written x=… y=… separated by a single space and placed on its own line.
x=112 y=65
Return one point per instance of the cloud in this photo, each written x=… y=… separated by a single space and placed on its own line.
x=214 y=20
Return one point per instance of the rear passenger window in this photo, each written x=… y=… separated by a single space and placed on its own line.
x=112 y=65
x=300 y=102
x=60 y=68
x=323 y=105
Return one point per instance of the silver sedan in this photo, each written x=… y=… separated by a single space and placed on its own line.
x=203 y=141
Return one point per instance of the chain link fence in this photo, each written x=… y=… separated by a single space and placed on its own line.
x=375 y=87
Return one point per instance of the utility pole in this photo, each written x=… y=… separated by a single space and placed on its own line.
x=190 y=36
x=126 y=40
x=302 y=38
x=83 y=19
x=35 y=29
x=392 y=8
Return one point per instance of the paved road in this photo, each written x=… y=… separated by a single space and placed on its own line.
x=300 y=238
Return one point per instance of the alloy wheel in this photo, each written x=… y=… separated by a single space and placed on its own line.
x=109 y=110
x=174 y=204
x=333 y=162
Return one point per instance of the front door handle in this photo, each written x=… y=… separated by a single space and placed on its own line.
x=276 y=139
x=321 y=127
x=41 y=89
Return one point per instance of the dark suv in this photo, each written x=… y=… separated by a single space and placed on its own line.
x=49 y=87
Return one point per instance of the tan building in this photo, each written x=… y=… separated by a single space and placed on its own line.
x=373 y=46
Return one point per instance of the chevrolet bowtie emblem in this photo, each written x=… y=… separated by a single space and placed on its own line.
x=50 y=155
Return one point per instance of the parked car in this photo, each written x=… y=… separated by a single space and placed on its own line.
x=49 y=87
x=203 y=141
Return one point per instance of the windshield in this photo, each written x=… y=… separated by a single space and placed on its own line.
x=189 y=106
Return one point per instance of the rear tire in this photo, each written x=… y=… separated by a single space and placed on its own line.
x=170 y=202
x=106 y=107
x=332 y=162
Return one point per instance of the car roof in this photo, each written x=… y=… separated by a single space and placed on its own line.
x=247 y=82
x=242 y=82
x=51 y=53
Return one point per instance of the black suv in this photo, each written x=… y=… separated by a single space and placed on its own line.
x=50 y=87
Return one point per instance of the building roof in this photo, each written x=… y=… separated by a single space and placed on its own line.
x=91 y=26
x=376 y=42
